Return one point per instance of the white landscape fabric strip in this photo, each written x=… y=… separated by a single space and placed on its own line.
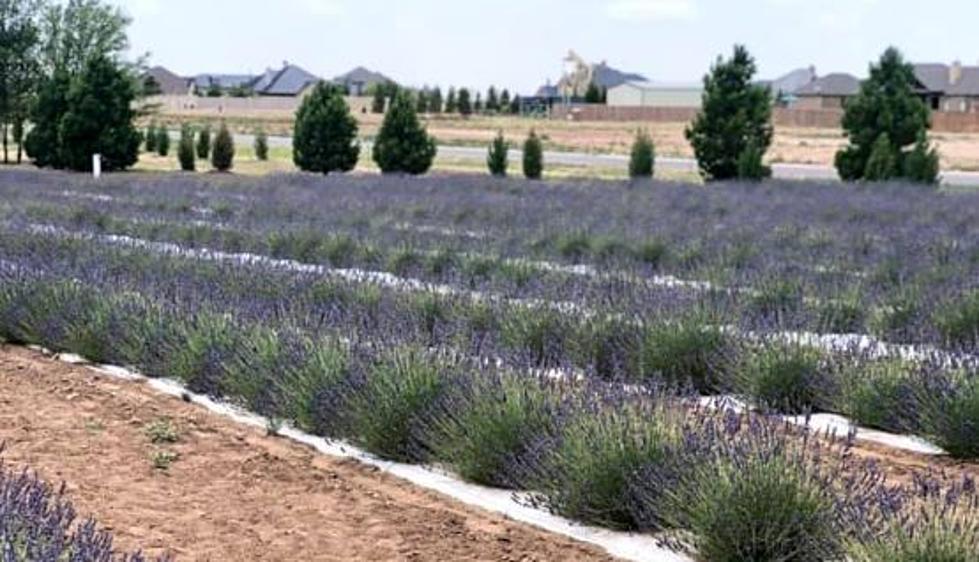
x=628 y=546
x=836 y=425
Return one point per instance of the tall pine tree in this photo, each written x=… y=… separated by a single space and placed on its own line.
x=325 y=135
x=403 y=145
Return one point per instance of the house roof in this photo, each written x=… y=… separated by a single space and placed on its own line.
x=662 y=86
x=361 y=75
x=604 y=76
x=933 y=77
x=169 y=82
x=290 y=80
x=968 y=84
x=548 y=91
x=791 y=82
x=223 y=81
x=836 y=84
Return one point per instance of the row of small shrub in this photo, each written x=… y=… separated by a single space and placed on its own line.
x=38 y=523
x=720 y=485
x=221 y=153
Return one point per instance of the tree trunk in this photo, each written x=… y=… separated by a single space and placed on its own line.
x=5 y=159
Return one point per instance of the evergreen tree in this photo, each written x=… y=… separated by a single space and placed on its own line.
x=380 y=100
x=736 y=113
x=163 y=142
x=403 y=145
x=204 y=143
x=505 y=101
x=325 y=134
x=214 y=91
x=151 y=136
x=478 y=105
x=223 y=151
x=492 y=100
x=421 y=101
x=451 y=105
x=99 y=119
x=498 y=160
x=515 y=105
x=185 y=149
x=642 y=160
x=435 y=101
x=921 y=165
x=464 y=103
x=593 y=94
x=43 y=143
x=886 y=105
x=261 y=145
x=882 y=163
x=751 y=164
x=533 y=157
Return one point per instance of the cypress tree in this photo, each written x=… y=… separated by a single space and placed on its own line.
x=223 y=151
x=379 y=102
x=887 y=104
x=533 y=157
x=204 y=143
x=464 y=103
x=185 y=150
x=163 y=141
x=435 y=101
x=515 y=105
x=403 y=145
x=593 y=94
x=261 y=146
x=99 y=119
x=451 y=106
x=498 y=160
x=505 y=101
x=325 y=134
x=478 y=105
x=736 y=113
x=492 y=100
x=643 y=157
x=151 y=137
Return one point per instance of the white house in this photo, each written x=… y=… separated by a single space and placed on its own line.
x=655 y=94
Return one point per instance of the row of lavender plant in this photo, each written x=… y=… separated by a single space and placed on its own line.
x=671 y=347
x=39 y=524
x=589 y=450
x=916 y=284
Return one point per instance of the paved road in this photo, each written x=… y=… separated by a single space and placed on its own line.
x=783 y=171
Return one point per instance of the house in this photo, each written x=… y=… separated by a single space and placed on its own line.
x=360 y=81
x=289 y=81
x=829 y=92
x=784 y=87
x=579 y=75
x=953 y=88
x=224 y=83
x=160 y=81
x=653 y=94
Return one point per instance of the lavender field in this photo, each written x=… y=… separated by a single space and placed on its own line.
x=558 y=339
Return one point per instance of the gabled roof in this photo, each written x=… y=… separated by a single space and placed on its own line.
x=793 y=81
x=604 y=76
x=361 y=75
x=548 y=91
x=168 y=82
x=837 y=84
x=968 y=84
x=933 y=77
x=290 y=80
x=223 y=81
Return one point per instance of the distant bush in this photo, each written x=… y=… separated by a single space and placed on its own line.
x=643 y=157
x=403 y=145
x=261 y=146
x=162 y=142
x=464 y=102
x=150 y=137
x=688 y=352
x=185 y=150
x=948 y=407
x=736 y=115
x=878 y=394
x=958 y=322
x=497 y=159
x=783 y=378
x=223 y=152
x=204 y=143
x=533 y=157
x=325 y=135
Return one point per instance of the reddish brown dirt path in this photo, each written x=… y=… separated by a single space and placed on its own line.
x=233 y=494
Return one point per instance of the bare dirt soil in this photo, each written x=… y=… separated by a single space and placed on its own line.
x=231 y=493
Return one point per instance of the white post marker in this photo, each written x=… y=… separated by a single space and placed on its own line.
x=96 y=166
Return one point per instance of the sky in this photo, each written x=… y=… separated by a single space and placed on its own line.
x=520 y=44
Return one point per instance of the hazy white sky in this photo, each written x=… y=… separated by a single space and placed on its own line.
x=520 y=43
